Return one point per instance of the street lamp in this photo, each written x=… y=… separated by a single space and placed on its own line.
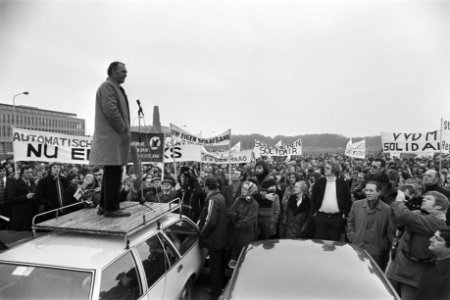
x=14 y=105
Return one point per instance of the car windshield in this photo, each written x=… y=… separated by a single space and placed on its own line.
x=34 y=282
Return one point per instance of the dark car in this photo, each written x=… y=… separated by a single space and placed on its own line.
x=306 y=269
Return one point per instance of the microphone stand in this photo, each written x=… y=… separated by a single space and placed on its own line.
x=142 y=198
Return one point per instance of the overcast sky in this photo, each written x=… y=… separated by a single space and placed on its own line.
x=272 y=67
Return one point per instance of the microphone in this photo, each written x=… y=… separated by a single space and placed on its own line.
x=140 y=107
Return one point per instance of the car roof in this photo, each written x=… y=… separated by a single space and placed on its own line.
x=77 y=250
x=283 y=269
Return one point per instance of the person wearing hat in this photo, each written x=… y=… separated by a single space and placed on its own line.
x=152 y=189
x=213 y=233
x=243 y=218
x=165 y=192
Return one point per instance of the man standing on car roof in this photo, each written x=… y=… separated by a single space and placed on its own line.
x=213 y=234
x=111 y=140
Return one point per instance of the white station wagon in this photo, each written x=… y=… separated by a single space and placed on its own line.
x=153 y=254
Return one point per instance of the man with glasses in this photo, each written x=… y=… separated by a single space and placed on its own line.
x=377 y=172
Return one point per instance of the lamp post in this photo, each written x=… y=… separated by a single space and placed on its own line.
x=14 y=105
x=14 y=121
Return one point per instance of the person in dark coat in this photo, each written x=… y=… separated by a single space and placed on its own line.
x=297 y=211
x=5 y=186
x=232 y=191
x=243 y=218
x=435 y=281
x=268 y=201
x=331 y=203
x=22 y=201
x=213 y=234
x=166 y=194
x=50 y=191
x=190 y=193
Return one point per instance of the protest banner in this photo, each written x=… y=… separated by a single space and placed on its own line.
x=151 y=147
x=445 y=136
x=241 y=157
x=262 y=149
x=33 y=145
x=222 y=139
x=427 y=142
x=236 y=147
x=356 y=150
x=395 y=154
x=182 y=153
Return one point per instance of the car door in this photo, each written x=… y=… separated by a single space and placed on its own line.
x=175 y=277
x=155 y=265
x=185 y=237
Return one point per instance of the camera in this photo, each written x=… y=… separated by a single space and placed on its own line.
x=413 y=203
x=271 y=191
x=268 y=191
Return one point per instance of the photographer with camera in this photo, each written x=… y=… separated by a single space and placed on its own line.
x=431 y=181
x=190 y=192
x=412 y=255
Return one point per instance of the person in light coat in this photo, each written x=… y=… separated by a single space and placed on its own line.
x=111 y=140
x=368 y=223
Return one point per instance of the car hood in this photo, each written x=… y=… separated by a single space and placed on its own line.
x=307 y=269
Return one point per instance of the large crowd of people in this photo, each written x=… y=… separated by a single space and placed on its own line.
x=393 y=208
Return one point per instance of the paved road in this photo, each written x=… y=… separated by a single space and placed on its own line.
x=202 y=285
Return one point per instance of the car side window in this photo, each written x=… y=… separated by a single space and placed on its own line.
x=153 y=258
x=120 y=280
x=172 y=255
x=183 y=235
